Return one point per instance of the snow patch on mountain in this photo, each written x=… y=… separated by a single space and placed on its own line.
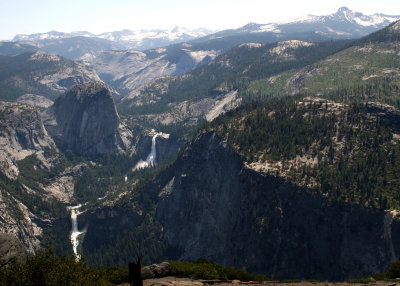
x=128 y=39
x=305 y=19
x=140 y=35
x=341 y=33
x=268 y=28
x=52 y=35
x=343 y=13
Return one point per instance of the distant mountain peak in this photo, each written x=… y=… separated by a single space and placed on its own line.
x=343 y=9
x=344 y=23
x=128 y=39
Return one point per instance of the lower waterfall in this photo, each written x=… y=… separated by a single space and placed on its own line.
x=75 y=233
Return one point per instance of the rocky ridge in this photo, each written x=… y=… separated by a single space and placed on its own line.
x=130 y=70
x=61 y=80
x=40 y=73
x=128 y=39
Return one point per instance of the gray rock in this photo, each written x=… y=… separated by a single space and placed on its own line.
x=21 y=134
x=35 y=100
x=85 y=120
x=212 y=206
x=156 y=270
x=11 y=248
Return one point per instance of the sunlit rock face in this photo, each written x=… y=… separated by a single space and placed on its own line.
x=21 y=134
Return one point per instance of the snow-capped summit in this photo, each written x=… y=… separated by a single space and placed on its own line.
x=52 y=35
x=146 y=39
x=344 y=23
x=345 y=14
x=129 y=39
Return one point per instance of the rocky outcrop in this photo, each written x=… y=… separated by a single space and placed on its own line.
x=11 y=249
x=61 y=187
x=17 y=220
x=131 y=69
x=211 y=206
x=21 y=134
x=85 y=120
x=156 y=270
x=35 y=100
x=59 y=73
x=41 y=73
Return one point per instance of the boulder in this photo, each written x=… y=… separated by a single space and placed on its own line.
x=156 y=270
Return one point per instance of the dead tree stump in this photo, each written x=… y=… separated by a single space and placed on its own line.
x=135 y=273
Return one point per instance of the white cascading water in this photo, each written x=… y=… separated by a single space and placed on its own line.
x=151 y=158
x=75 y=233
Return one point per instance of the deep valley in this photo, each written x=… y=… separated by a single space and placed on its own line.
x=276 y=152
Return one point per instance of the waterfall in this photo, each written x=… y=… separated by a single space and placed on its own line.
x=151 y=158
x=75 y=233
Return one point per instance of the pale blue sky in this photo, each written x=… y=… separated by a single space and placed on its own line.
x=96 y=16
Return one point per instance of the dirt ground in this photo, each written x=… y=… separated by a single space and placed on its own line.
x=174 y=281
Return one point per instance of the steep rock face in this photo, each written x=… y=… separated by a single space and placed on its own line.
x=11 y=248
x=21 y=134
x=213 y=207
x=166 y=146
x=104 y=224
x=85 y=120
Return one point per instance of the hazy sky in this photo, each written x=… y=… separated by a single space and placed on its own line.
x=96 y=16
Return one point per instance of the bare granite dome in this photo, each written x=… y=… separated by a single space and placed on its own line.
x=84 y=119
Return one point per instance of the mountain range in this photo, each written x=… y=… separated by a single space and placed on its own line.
x=127 y=60
x=343 y=24
x=126 y=39
x=289 y=150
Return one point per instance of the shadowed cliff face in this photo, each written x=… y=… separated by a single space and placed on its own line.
x=213 y=207
x=85 y=120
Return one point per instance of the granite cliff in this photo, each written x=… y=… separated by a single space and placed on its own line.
x=21 y=134
x=84 y=119
x=11 y=248
x=212 y=206
x=22 y=137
